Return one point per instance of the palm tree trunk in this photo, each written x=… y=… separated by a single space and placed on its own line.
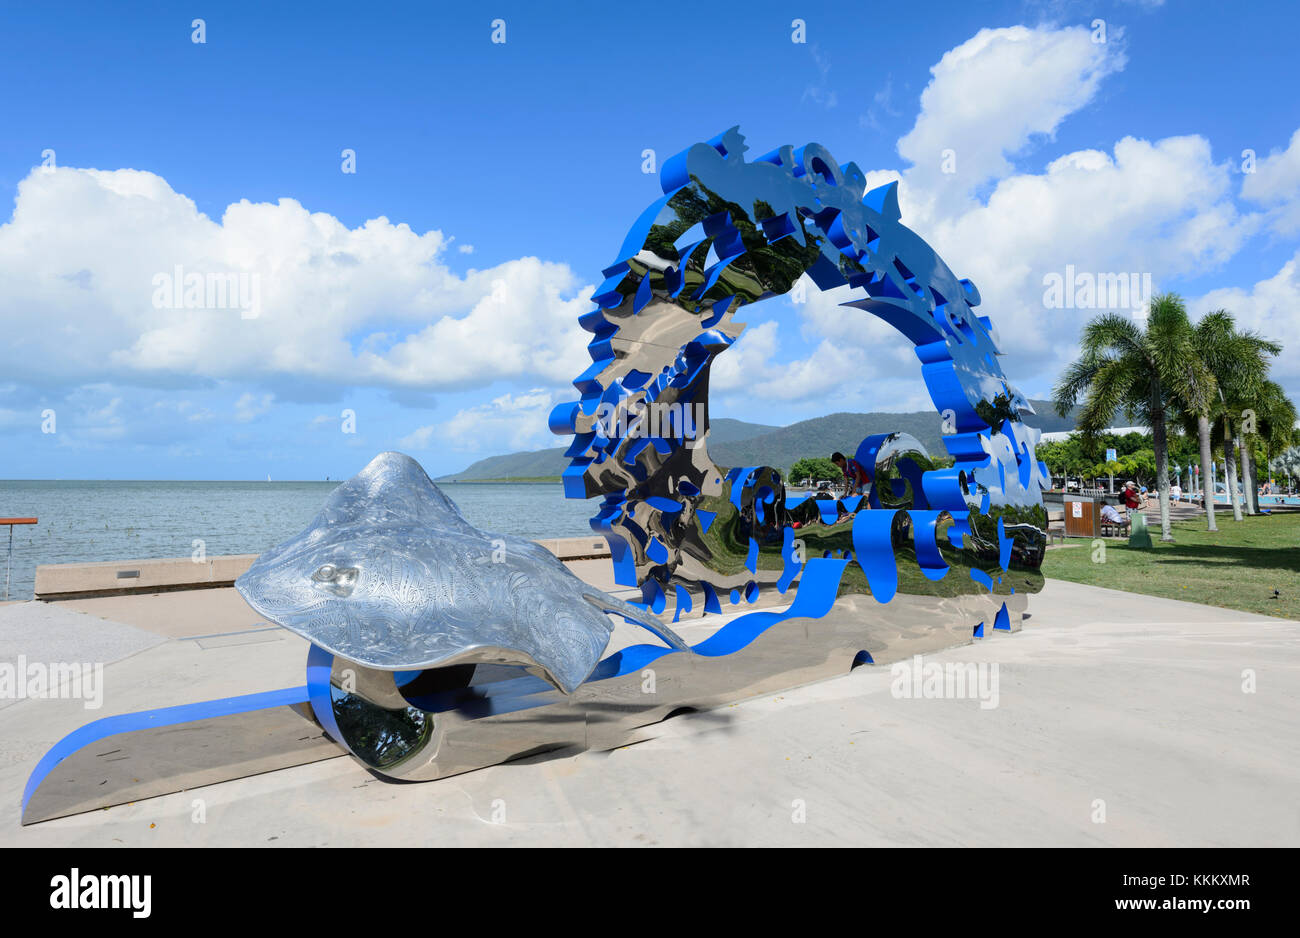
x=1230 y=469
x=1159 y=439
x=1203 y=435
x=1247 y=477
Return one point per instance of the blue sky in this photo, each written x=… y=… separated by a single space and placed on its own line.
x=506 y=175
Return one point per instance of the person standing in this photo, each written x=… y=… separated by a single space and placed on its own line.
x=855 y=477
x=1133 y=499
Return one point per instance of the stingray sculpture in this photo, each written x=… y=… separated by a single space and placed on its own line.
x=391 y=576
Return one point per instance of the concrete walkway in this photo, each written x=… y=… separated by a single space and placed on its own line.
x=1111 y=705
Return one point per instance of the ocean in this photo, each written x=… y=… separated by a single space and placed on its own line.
x=81 y=522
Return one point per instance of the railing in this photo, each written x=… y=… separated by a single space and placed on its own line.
x=10 y=555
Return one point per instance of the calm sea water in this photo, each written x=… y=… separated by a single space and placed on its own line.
x=81 y=522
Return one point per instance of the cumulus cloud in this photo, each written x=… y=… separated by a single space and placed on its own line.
x=1162 y=208
x=379 y=305
x=86 y=251
x=1269 y=307
x=991 y=95
x=508 y=422
x=856 y=361
x=1275 y=183
x=750 y=367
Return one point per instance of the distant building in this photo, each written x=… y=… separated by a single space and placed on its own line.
x=1057 y=436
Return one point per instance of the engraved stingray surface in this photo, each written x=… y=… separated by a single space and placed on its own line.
x=391 y=575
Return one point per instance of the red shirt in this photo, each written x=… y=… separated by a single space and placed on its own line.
x=854 y=475
x=1131 y=498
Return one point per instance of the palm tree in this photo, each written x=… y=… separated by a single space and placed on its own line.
x=1239 y=361
x=1275 y=418
x=1142 y=370
x=1200 y=406
x=1236 y=366
x=1287 y=464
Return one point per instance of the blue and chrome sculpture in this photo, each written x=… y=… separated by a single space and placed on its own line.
x=728 y=233
x=437 y=648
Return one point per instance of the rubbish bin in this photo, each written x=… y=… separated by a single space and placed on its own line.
x=1082 y=516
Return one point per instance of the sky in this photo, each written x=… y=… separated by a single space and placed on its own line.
x=413 y=203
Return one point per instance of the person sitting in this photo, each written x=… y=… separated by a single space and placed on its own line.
x=1111 y=513
x=1110 y=516
x=855 y=477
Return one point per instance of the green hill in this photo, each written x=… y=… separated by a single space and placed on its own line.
x=548 y=463
x=738 y=443
x=822 y=436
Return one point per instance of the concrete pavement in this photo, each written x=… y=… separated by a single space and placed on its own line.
x=1121 y=720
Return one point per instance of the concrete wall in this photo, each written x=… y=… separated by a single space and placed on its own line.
x=121 y=577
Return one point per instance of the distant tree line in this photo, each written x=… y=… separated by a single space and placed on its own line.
x=1084 y=457
x=821 y=469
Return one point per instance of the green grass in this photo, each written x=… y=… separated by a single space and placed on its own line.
x=1236 y=568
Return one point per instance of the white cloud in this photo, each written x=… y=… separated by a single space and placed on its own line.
x=250 y=406
x=1269 y=307
x=1276 y=185
x=510 y=422
x=855 y=358
x=1162 y=207
x=379 y=306
x=419 y=439
x=991 y=95
x=370 y=306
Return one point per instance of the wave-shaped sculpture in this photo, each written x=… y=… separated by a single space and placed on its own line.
x=729 y=232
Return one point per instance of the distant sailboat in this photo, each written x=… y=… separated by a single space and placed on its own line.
x=268 y=477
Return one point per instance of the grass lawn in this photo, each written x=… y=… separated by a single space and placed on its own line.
x=1236 y=568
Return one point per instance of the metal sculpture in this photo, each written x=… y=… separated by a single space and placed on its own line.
x=728 y=233
x=437 y=648
x=391 y=576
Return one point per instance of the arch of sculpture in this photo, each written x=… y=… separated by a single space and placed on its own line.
x=730 y=232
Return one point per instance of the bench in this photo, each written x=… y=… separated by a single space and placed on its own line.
x=1056 y=526
x=1115 y=528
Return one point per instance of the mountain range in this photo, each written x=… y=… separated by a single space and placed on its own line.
x=738 y=443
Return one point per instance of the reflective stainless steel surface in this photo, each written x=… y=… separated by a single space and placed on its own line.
x=451 y=720
x=390 y=575
x=137 y=756
x=727 y=233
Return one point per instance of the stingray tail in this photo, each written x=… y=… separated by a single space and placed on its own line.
x=638 y=616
